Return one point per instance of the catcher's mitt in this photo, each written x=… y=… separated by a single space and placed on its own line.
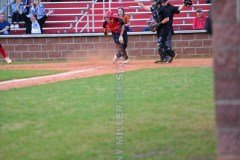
x=188 y=3
x=153 y=25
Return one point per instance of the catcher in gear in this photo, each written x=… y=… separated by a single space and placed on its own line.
x=119 y=34
x=158 y=23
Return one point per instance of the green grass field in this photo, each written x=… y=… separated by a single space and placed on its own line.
x=168 y=115
x=17 y=74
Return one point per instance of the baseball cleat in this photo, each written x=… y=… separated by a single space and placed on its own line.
x=8 y=60
x=169 y=59
x=164 y=60
x=126 y=61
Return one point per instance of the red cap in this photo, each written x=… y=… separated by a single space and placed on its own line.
x=108 y=14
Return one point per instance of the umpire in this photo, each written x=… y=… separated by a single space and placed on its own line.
x=171 y=10
x=161 y=18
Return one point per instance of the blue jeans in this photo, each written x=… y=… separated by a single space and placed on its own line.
x=147 y=28
x=5 y=33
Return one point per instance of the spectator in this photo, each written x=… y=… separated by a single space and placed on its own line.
x=4 y=55
x=148 y=8
x=16 y=18
x=148 y=28
x=34 y=25
x=25 y=2
x=38 y=9
x=200 y=20
x=126 y=19
x=4 y=25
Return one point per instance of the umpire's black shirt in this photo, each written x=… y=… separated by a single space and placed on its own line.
x=171 y=10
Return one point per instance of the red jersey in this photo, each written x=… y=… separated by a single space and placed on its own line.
x=199 y=22
x=115 y=26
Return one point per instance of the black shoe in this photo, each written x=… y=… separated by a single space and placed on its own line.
x=159 y=61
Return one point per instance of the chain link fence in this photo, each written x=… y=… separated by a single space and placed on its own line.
x=5 y=6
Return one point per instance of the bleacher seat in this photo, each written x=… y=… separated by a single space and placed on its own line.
x=67 y=13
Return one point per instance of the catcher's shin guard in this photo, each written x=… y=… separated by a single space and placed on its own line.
x=162 y=54
x=161 y=50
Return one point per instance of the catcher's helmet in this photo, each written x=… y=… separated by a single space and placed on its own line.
x=108 y=14
x=163 y=1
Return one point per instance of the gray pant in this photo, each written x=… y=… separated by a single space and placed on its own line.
x=169 y=40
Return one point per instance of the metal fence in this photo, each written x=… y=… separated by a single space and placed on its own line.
x=5 y=6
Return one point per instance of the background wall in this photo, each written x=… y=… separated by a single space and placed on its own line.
x=227 y=77
x=79 y=47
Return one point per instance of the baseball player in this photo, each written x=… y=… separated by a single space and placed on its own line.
x=3 y=53
x=119 y=34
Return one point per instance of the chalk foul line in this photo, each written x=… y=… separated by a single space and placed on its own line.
x=52 y=76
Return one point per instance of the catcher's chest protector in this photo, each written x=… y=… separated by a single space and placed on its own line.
x=156 y=15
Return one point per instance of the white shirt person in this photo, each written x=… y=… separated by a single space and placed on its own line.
x=34 y=25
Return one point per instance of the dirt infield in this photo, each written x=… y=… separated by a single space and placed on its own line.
x=75 y=70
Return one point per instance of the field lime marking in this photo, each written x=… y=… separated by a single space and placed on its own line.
x=52 y=76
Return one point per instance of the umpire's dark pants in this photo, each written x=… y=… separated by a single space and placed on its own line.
x=162 y=34
x=169 y=40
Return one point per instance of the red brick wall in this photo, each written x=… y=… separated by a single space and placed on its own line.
x=79 y=47
x=226 y=42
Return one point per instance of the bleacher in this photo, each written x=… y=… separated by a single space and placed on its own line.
x=86 y=16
